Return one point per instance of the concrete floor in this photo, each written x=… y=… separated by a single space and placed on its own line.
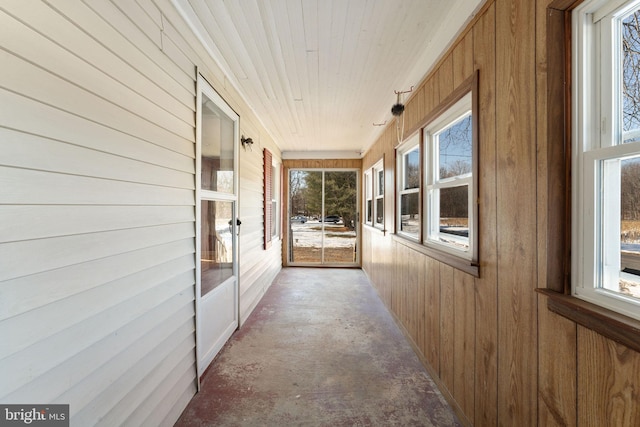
x=319 y=350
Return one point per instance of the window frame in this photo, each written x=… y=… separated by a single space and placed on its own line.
x=596 y=143
x=378 y=194
x=268 y=215
x=459 y=260
x=612 y=325
x=413 y=143
x=367 y=179
x=276 y=198
x=457 y=111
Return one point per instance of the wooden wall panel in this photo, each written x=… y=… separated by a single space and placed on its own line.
x=608 y=385
x=431 y=349
x=445 y=78
x=486 y=335
x=431 y=95
x=418 y=299
x=502 y=355
x=516 y=212
x=557 y=368
x=414 y=296
x=401 y=274
x=464 y=342
x=322 y=163
x=557 y=352
x=447 y=326
x=463 y=65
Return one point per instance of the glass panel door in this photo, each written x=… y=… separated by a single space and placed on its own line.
x=323 y=217
x=217 y=244
x=341 y=217
x=217 y=272
x=305 y=205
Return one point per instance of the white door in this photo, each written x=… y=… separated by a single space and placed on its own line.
x=216 y=222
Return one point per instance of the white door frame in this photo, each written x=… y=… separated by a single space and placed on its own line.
x=357 y=172
x=205 y=352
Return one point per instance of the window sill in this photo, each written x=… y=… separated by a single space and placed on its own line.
x=612 y=325
x=451 y=260
x=374 y=228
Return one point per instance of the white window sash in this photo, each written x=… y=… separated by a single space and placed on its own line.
x=597 y=154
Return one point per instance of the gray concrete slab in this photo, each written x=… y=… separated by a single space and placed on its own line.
x=320 y=349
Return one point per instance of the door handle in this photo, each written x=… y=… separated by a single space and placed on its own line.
x=238 y=223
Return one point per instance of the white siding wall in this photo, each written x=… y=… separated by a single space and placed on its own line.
x=257 y=266
x=97 y=229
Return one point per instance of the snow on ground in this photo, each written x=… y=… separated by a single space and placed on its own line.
x=309 y=234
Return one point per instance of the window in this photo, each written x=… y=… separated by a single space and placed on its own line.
x=374 y=195
x=437 y=184
x=275 y=200
x=368 y=198
x=271 y=199
x=450 y=181
x=378 y=189
x=606 y=155
x=408 y=216
x=216 y=165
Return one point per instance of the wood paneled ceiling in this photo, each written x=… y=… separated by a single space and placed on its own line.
x=320 y=73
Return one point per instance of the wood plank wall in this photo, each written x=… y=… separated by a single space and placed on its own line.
x=499 y=354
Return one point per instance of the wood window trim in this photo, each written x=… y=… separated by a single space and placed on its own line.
x=367 y=180
x=454 y=261
x=470 y=266
x=608 y=323
x=379 y=166
x=612 y=325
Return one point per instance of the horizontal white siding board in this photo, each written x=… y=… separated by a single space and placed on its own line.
x=27 y=115
x=187 y=54
x=179 y=395
x=109 y=33
x=34 y=256
x=26 y=329
x=175 y=375
x=96 y=340
x=127 y=30
x=142 y=370
x=140 y=19
x=97 y=208
x=32 y=46
x=98 y=364
x=101 y=374
x=259 y=273
x=162 y=397
x=22 y=77
x=28 y=222
x=252 y=240
x=39 y=289
x=54 y=26
x=152 y=10
x=178 y=56
x=28 y=187
x=177 y=30
x=144 y=382
x=258 y=287
x=18 y=149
